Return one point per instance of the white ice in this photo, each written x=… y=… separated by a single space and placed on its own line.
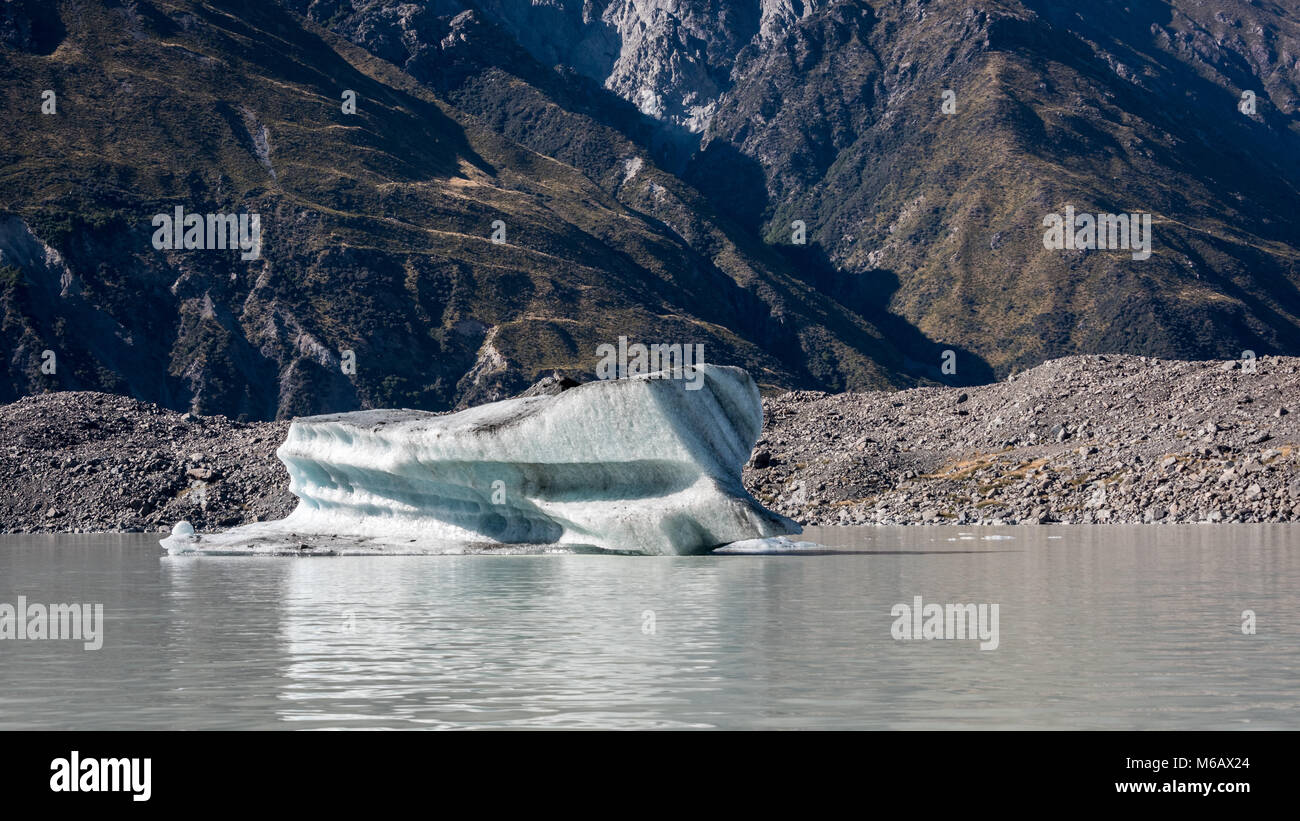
x=640 y=465
x=771 y=545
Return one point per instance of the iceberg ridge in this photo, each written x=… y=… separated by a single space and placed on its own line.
x=640 y=465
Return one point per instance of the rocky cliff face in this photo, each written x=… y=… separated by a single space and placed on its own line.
x=672 y=59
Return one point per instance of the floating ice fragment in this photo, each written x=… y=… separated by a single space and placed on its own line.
x=771 y=544
x=635 y=465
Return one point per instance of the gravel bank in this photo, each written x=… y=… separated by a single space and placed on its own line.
x=78 y=461
x=1086 y=439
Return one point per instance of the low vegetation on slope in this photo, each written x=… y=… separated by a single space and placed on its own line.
x=379 y=282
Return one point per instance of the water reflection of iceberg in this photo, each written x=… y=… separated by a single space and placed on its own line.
x=502 y=642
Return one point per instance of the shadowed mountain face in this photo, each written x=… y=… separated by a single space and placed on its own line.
x=1117 y=107
x=645 y=160
x=929 y=223
x=377 y=232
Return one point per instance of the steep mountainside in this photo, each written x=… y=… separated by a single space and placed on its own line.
x=1110 y=108
x=926 y=222
x=376 y=232
x=647 y=159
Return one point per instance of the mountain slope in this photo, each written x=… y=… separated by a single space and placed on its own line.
x=929 y=224
x=647 y=159
x=1128 y=107
x=377 y=233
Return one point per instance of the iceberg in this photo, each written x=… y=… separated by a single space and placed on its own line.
x=639 y=465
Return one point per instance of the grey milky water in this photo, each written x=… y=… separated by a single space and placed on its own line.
x=1099 y=627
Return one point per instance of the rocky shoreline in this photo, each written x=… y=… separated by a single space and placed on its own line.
x=91 y=462
x=1084 y=439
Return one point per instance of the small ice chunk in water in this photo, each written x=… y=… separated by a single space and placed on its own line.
x=650 y=464
x=771 y=544
x=182 y=529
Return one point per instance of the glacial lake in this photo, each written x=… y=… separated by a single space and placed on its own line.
x=1098 y=627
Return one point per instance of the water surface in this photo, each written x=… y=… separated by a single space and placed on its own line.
x=1099 y=627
